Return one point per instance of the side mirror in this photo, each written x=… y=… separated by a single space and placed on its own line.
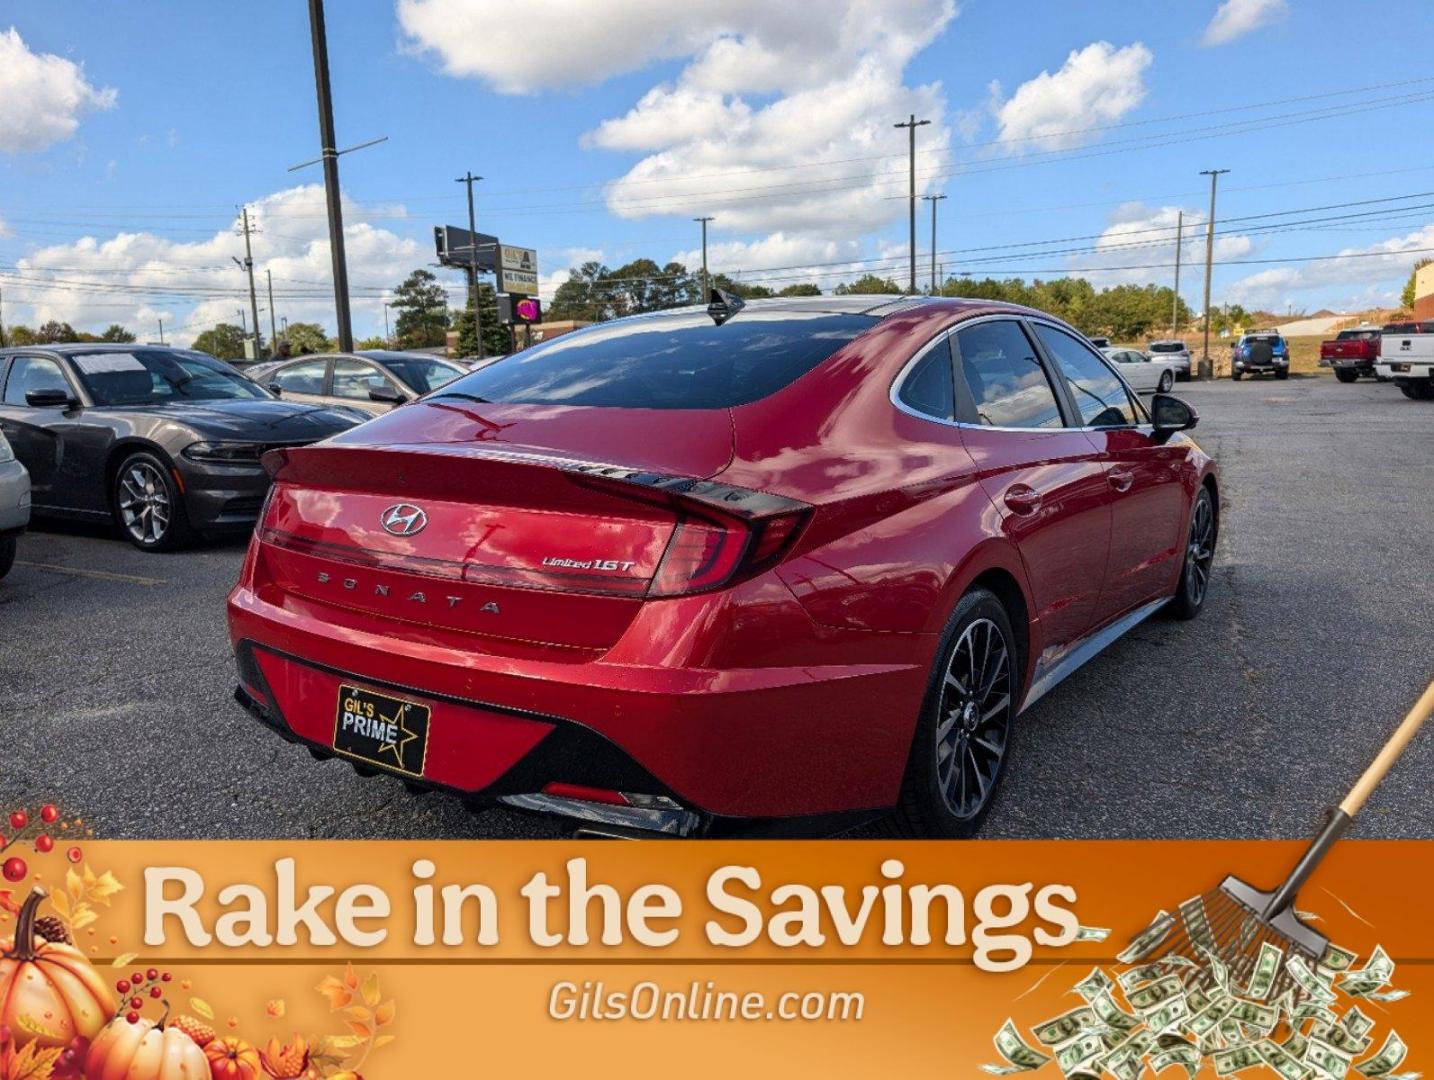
x=48 y=398
x=393 y=397
x=275 y=389
x=1169 y=414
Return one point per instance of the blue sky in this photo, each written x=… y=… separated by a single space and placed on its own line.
x=130 y=133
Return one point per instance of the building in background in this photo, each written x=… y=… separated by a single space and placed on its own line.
x=1424 y=292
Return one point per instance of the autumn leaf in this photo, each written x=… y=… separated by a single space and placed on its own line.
x=359 y=1013
x=371 y=994
x=337 y=993
x=31 y=1063
x=384 y=1014
x=7 y=902
x=363 y=1031
x=123 y=959
x=276 y=1008
x=351 y=979
x=74 y=885
x=202 y=1007
x=61 y=903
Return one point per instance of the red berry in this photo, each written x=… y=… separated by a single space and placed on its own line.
x=132 y=1017
x=136 y=1003
x=74 y=854
x=165 y=977
x=122 y=986
x=19 y=819
x=14 y=869
x=43 y=844
x=155 y=991
x=152 y=974
x=49 y=813
x=137 y=978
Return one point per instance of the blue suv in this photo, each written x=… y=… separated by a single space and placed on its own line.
x=1263 y=352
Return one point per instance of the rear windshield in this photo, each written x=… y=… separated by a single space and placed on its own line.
x=681 y=361
x=1268 y=339
x=1356 y=335
x=1167 y=346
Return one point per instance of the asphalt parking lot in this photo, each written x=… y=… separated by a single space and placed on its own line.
x=115 y=673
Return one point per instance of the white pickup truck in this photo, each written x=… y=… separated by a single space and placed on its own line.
x=1406 y=355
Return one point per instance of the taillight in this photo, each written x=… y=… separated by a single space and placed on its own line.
x=710 y=553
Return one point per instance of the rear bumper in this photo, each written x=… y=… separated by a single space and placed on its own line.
x=761 y=742
x=1412 y=371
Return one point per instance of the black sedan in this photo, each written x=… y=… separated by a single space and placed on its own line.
x=165 y=442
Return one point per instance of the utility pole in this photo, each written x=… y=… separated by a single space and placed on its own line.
x=706 y=287
x=161 y=331
x=273 y=331
x=328 y=146
x=933 y=199
x=2 y=322
x=1214 y=175
x=387 y=337
x=468 y=178
x=912 y=124
x=248 y=265
x=1175 y=300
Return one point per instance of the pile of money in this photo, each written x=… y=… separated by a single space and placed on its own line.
x=1300 y=1018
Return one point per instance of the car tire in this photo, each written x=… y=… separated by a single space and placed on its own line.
x=1418 y=391
x=959 y=752
x=147 y=504
x=1236 y=375
x=1282 y=373
x=8 y=545
x=1346 y=375
x=1167 y=380
x=1194 y=584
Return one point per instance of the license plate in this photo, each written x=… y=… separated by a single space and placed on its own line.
x=381 y=729
x=1400 y=367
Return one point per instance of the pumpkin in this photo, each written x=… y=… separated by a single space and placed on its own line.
x=49 y=993
x=233 y=1059
x=144 y=1050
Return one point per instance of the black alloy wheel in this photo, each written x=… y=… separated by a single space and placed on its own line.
x=1194 y=583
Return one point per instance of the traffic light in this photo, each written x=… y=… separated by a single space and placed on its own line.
x=519 y=310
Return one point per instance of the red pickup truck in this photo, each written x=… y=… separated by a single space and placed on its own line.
x=1352 y=353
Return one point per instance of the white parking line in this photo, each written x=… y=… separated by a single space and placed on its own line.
x=103 y=575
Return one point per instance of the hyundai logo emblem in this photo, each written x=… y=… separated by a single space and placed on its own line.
x=403 y=519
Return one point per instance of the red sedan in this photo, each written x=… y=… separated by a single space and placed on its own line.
x=794 y=563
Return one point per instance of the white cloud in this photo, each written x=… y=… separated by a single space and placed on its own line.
x=779 y=122
x=1370 y=275
x=44 y=96
x=131 y=271
x=1236 y=18
x=807 y=257
x=1139 y=235
x=1096 y=85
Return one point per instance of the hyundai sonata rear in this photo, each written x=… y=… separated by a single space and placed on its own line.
x=683 y=571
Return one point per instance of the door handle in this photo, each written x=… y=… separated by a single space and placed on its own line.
x=1121 y=479
x=1023 y=499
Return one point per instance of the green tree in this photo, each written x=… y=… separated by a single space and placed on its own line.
x=422 y=308
x=806 y=288
x=496 y=339
x=53 y=333
x=21 y=335
x=582 y=296
x=307 y=337
x=224 y=341
x=869 y=284
x=1406 y=298
x=116 y=332
x=372 y=343
x=741 y=288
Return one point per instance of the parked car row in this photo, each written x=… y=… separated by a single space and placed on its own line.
x=374 y=380
x=1399 y=352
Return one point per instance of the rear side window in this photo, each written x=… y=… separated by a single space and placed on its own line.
x=301 y=378
x=1006 y=384
x=680 y=361
x=1100 y=396
x=927 y=389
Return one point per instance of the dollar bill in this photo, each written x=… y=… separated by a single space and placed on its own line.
x=1375 y=974
x=1336 y=959
x=1063 y=1028
x=1184 y=1055
x=1020 y=1056
x=1313 y=1010
x=1387 y=995
x=1329 y=1060
x=1259 y=1016
x=1197 y=923
x=1296 y=1044
x=1282 y=1061
x=1267 y=966
x=1355 y=1022
x=1094 y=984
x=1092 y=933
x=1071 y=1057
x=1168 y=1015
x=1235 y=1059
x=1112 y=1015
x=1149 y=939
x=1308 y=981
x=1217 y=969
x=1340 y=1039
x=1391 y=1055
x=1144 y=973
x=1151 y=996
x=1208 y=1019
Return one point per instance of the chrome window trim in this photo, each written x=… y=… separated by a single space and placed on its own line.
x=894 y=393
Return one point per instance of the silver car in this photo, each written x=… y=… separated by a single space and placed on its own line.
x=1145 y=373
x=14 y=504
x=1175 y=351
x=374 y=380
